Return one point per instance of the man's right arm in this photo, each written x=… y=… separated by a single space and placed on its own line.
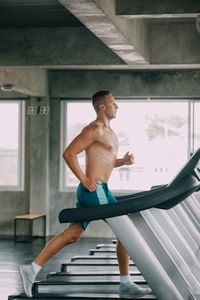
x=79 y=144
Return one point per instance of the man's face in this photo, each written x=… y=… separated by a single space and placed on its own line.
x=111 y=106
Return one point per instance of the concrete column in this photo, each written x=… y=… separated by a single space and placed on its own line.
x=39 y=157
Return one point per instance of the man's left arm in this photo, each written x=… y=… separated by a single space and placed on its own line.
x=128 y=159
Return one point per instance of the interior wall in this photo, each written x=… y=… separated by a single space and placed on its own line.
x=83 y=83
x=14 y=203
x=42 y=141
x=58 y=46
x=69 y=84
x=35 y=195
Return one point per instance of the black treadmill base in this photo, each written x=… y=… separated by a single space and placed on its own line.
x=77 y=297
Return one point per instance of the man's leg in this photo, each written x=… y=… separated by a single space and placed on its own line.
x=70 y=235
x=128 y=289
x=123 y=259
x=29 y=272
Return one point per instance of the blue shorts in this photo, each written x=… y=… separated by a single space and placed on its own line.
x=102 y=195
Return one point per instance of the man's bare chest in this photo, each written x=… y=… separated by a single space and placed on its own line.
x=109 y=141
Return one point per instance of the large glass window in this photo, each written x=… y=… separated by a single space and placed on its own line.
x=11 y=145
x=156 y=132
x=196 y=125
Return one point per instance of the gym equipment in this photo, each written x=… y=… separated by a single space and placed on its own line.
x=157 y=240
x=82 y=285
x=102 y=251
x=100 y=246
x=90 y=279
x=183 y=185
x=101 y=284
x=74 y=284
x=84 y=272
x=109 y=259
x=177 y=270
x=65 y=267
x=79 y=296
x=86 y=284
x=192 y=209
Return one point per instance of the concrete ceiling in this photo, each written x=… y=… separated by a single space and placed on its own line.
x=35 y=13
x=143 y=34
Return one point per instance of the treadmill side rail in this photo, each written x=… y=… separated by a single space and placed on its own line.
x=144 y=258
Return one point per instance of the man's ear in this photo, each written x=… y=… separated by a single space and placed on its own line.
x=101 y=106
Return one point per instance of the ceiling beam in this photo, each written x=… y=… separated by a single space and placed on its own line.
x=27 y=81
x=126 y=38
x=157 y=8
x=126 y=67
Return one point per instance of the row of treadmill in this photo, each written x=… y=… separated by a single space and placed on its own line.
x=165 y=249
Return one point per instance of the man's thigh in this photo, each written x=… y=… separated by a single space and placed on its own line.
x=75 y=229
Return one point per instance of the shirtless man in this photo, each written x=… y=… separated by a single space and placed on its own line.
x=101 y=145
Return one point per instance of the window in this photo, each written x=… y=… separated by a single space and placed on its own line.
x=156 y=132
x=11 y=145
x=196 y=125
x=76 y=115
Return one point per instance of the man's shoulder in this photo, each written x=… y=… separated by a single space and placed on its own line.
x=93 y=128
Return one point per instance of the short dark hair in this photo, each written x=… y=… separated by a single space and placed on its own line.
x=98 y=97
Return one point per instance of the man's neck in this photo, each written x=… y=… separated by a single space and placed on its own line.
x=103 y=120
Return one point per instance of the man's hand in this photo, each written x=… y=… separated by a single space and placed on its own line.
x=128 y=159
x=90 y=184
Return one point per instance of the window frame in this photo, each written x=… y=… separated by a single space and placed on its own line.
x=21 y=147
x=63 y=120
x=192 y=127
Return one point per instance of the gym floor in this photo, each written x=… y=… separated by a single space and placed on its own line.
x=14 y=254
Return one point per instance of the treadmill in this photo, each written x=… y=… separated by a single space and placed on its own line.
x=155 y=233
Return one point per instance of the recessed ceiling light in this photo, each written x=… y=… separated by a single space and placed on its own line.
x=7 y=87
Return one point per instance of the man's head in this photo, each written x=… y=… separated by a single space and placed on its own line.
x=104 y=103
x=99 y=98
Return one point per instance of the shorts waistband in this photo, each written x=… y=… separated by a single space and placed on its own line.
x=101 y=182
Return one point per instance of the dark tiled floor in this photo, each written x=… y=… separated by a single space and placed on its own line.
x=13 y=254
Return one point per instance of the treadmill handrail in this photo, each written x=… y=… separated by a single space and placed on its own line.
x=184 y=184
x=149 y=200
